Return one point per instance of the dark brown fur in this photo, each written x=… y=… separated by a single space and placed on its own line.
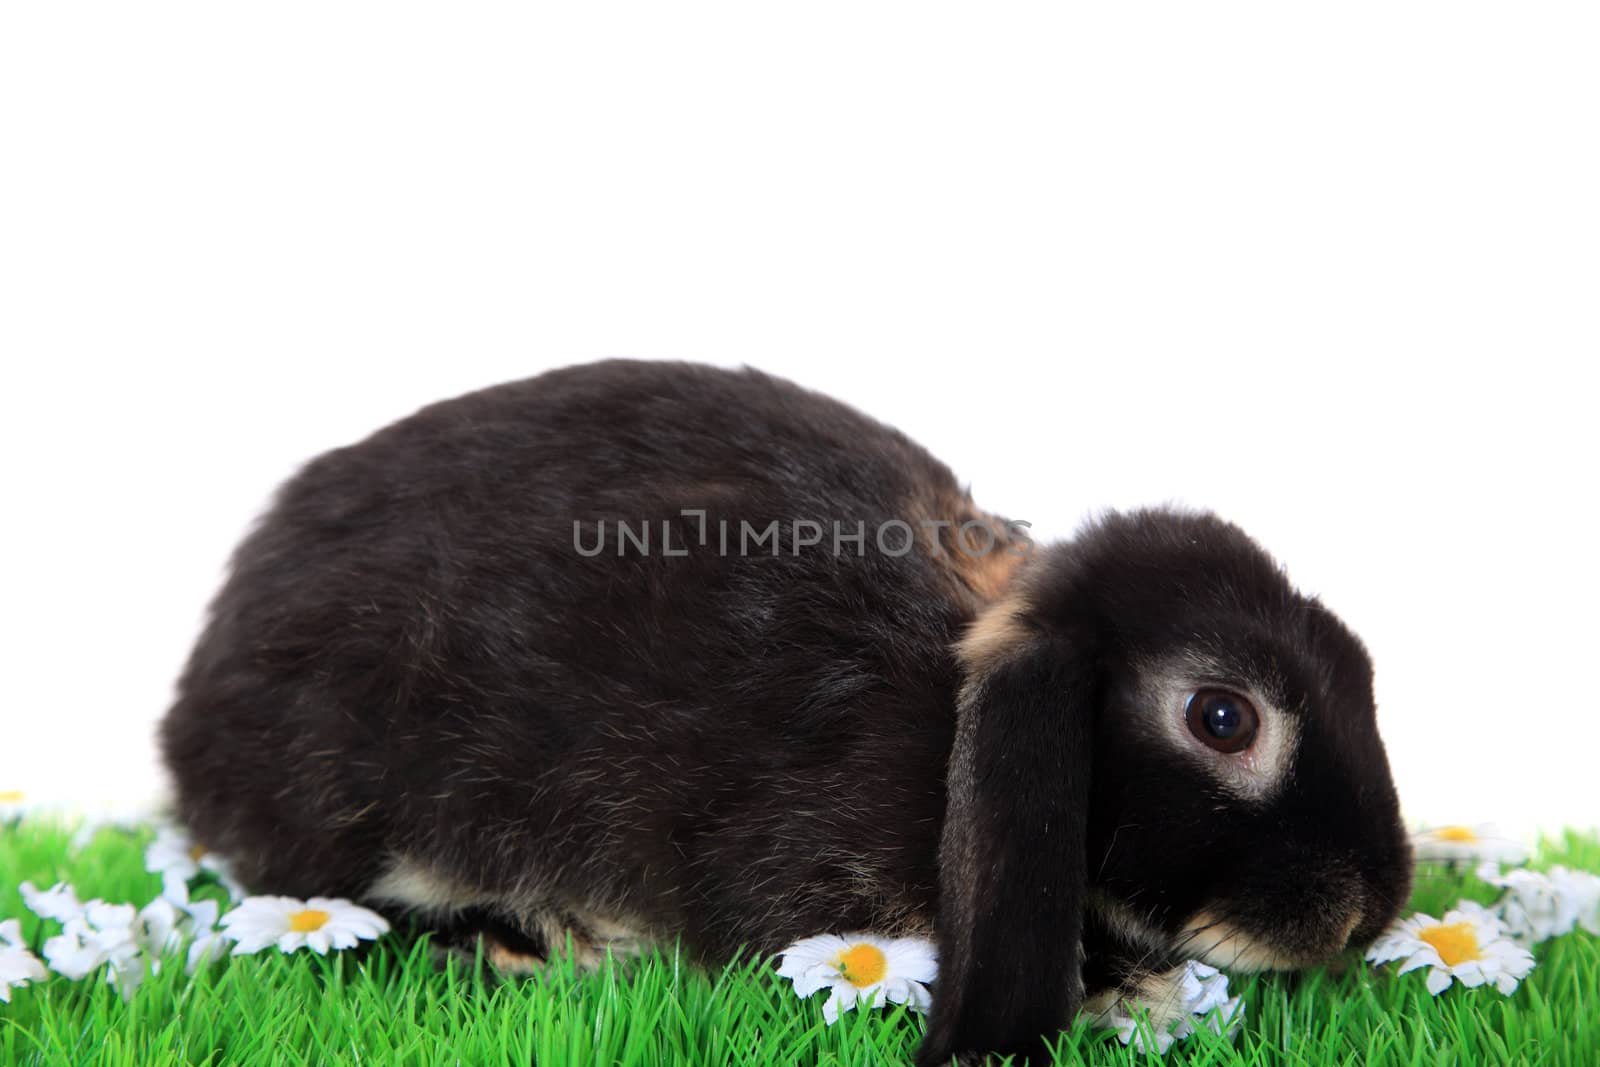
x=414 y=687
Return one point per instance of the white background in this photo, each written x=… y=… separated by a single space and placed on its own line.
x=1332 y=274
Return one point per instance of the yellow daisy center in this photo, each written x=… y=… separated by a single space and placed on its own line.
x=196 y=852
x=10 y=796
x=303 y=922
x=1456 y=833
x=1456 y=943
x=862 y=965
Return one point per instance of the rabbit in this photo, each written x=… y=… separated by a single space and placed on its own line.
x=535 y=663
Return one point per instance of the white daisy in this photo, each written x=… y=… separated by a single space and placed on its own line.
x=121 y=939
x=13 y=802
x=184 y=921
x=1539 y=906
x=1211 y=1006
x=861 y=969
x=59 y=902
x=1468 y=945
x=103 y=935
x=18 y=966
x=1531 y=909
x=319 y=924
x=1199 y=995
x=177 y=858
x=1467 y=844
x=167 y=925
x=173 y=852
x=1580 y=891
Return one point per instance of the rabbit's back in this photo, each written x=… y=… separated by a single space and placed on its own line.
x=442 y=673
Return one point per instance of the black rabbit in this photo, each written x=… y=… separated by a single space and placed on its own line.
x=538 y=660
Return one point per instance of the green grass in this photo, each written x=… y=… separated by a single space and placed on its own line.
x=391 y=1004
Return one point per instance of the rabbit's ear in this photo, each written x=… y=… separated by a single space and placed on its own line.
x=1012 y=863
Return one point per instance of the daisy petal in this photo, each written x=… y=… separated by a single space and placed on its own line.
x=830 y=1009
x=807 y=984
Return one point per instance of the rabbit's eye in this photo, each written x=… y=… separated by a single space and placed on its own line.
x=1225 y=721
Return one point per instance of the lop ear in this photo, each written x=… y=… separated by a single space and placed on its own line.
x=1012 y=859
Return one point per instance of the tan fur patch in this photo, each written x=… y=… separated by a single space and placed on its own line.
x=592 y=935
x=507 y=960
x=1214 y=940
x=417 y=886
x=1160 y=994
x=998 y=630
x=978 y=564
x=1129 y=924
